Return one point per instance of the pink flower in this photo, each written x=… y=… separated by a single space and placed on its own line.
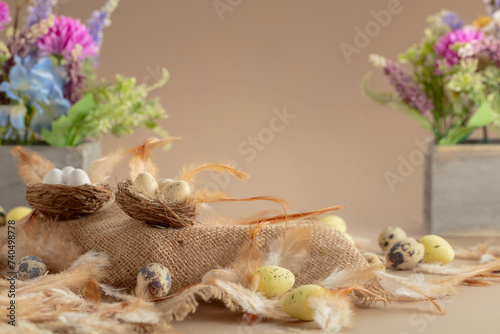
x=447 y=45
x=4 y=14
x=62 y=38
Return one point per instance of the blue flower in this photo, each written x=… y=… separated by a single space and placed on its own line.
x=39 y=10
x=452 y=20
x=37 y=85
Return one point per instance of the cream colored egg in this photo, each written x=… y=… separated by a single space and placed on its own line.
x=54 y=176
x=437 y=249
x=274 y=280
x=296 y=302
x=406 y=254
x=177 y=192
x=163 y=182
x=349 y=238
x=156 y=278
x=145 y=182
x=78 y=177
x=389 y=236
x=66 y=172
x=18 y=213
x=336 y=222
x=373 y=258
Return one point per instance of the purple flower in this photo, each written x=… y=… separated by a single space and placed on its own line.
x=62 y=38
x=4 y=14
x=452 y=20
x=486 y=50
x=407 y=89
x=96 y=24
x=40 y=10
x=448 y=45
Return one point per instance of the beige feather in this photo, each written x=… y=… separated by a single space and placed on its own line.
x=141 y=156
x=332 y=311
x=31 y=166
x=299 y=215
x=190 y=172
x=102 y=168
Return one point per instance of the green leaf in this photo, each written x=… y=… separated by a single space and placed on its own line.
x=63 y=129
x=456 y=135
x=482 y=116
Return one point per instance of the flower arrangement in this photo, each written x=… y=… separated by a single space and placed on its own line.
x=49 y=91
x=454 y=86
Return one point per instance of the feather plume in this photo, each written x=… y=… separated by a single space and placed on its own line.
x=300 y=215
x=439 y=269
x=476 y=272
x=190 y=172
x=31 y=166
x=141 y=156
x=332 y=311
x=102 y=168
x=347 y=278
x=290 y=249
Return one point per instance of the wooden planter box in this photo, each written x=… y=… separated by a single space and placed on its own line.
x=12 y=188
x=462 y=190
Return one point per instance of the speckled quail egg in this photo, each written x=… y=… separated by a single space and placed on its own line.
x=373 y=258
x=296 y=302
x=406 y=254
x=145 y=182
x=437 y=249
x=78 y=177
x=389 y=236
x=18 y=213
x=3 y=219
x=163 y=182
x=274 y=280
x=336 y=222
x=66 y=172
x=349 y=238
x=54 y=176
x=156 y=278
x=177 y=192
x=30 y=267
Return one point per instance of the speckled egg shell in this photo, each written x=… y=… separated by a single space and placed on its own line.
x=296 y=302
x=373 y=258
x=390 y=236
x=156 y=278
x=3 y=219
x=177 y=192
x=336 y=222
x=274 y=280
x=437 y=249
x=406 y=254
x=30 y=267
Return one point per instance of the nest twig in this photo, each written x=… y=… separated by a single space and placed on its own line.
x=64 y=202
x=152 y=210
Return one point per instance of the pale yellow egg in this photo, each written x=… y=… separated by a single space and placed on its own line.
x=146 y=183
x=274 y=280
x=296 y=302
x=437 y=249
x=18 y=213
x=373 y=258
x=349 y=238
x=336 y=222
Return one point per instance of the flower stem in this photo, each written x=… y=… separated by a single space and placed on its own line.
x=485 y=134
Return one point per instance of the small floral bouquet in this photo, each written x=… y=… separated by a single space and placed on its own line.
x=454 y=88
x=48 y=86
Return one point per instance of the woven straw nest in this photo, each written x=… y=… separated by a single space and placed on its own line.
x=64 y=202
x=153 y=210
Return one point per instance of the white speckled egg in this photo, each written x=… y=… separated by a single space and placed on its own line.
x=164 y=182
x=156 y=278
x=336 y=222
x=274 y=280
x=177 y=192
x=296 y=302
x=54 y=176
x=389 y=236
x=30 y=267
x=437 y=249
x=78 y=177
x=406 y=254
x=373 y=258
x=66 y=172
x=145 y=182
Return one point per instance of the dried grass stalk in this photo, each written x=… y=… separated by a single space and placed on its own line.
x=62 y=202
x=31 y=166
x=152 y=210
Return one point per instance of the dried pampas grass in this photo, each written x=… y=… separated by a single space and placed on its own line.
x=31 y=166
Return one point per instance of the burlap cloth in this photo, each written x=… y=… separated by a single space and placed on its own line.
x=192 y=251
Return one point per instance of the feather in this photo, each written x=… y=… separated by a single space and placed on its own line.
x=102 y=168
x=290 y=249
x=347 y=278
x=31 y=166
x=141 y=156
x=475 y=272
x=190 y=172
x=332 y=311
x=439 y=269
x=300 y=215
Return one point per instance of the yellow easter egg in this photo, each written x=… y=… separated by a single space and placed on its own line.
x=437 y=249
x=336 y=222
x=3 y=221
x=349 y=238
x=296 y=302
x=373 y=258
x=274 y=280
x=18 y=213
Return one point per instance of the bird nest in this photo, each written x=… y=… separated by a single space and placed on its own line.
x=153 y=210
x=63 y=202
